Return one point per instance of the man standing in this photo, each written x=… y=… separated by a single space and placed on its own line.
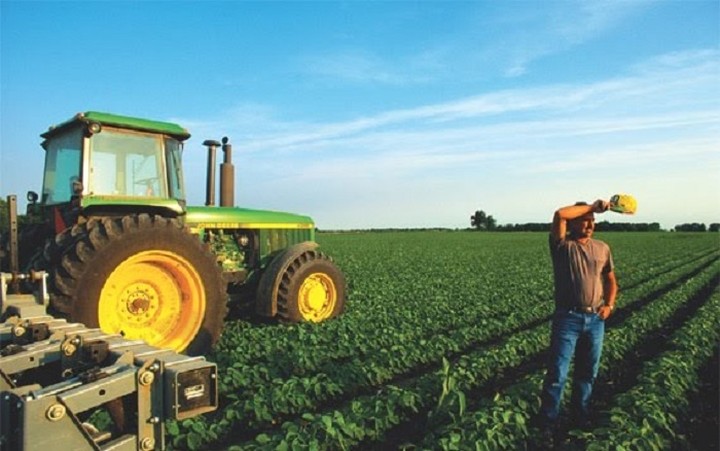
x=585 y=292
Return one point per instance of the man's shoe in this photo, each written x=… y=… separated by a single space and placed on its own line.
x=582 y=422
x=548 y=436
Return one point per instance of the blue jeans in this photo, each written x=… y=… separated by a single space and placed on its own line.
x=581 y=335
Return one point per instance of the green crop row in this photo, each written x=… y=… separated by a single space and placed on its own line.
x=521 y=401
x=644 y=417
x=355 y=418
x=470 y=373
x=287 y=353
x=414 y=299
x=394 y=335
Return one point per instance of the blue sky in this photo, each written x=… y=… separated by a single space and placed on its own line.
x=391 y=114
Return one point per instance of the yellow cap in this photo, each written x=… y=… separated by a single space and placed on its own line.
x=623 y=203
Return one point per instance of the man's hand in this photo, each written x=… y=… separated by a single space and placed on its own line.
x=600 y=206
x=604 y=312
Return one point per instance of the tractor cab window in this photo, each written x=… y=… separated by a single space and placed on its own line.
x=124 y=163
x=173 y=150
x=62 y=166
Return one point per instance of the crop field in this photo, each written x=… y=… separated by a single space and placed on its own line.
x=443 y=343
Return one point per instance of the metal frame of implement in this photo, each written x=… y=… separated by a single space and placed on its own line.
x=53 y=374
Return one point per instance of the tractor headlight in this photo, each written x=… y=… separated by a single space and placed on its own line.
x=94 y=128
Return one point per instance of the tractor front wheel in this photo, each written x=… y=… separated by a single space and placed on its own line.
x=311 y=289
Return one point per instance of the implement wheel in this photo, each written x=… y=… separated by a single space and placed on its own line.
x=145 y=277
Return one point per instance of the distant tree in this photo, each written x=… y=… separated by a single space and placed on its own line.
x=526 y=227
x=714 y=227
x=605 y=226
x=694 y=227
x=479 y=220
x=491 y=223
x=482 y=221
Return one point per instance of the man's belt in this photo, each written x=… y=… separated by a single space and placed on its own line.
x=585 y=309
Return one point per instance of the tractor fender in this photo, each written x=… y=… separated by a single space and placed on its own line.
x=267 y=293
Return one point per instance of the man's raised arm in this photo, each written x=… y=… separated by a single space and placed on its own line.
x=565 y=214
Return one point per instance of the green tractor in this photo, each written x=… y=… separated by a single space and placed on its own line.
x=126 y=254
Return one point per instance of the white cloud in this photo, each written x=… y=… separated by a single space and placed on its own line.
x=508 y=41
x=358 y=67
x=559 y=26
x=633 y=102
x=659 y=122
x=512 y=41
x=634 y=157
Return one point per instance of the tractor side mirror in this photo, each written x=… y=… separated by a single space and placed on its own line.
x=32 y=197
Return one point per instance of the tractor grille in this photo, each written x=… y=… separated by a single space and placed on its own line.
x=272 y=240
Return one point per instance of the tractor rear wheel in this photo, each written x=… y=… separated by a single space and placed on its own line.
x=145 y=277
x=311 y=289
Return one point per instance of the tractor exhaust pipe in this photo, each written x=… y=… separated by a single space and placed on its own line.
x=210 y=188
x=227 y=176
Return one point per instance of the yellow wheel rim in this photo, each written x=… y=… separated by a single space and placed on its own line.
x=317 y=297
x=156 y=296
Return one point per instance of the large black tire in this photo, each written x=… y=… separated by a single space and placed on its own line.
x=311 y=289
x=143 y=276
x=55 y=248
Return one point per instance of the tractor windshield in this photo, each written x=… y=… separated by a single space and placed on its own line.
x=131 y=163
x=125 y=163
x=62 y=166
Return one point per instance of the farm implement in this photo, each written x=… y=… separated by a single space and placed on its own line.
x=56 y=376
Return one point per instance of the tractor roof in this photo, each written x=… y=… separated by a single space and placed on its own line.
x=133 y=123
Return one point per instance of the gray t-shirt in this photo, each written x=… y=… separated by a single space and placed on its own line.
x=579 y=270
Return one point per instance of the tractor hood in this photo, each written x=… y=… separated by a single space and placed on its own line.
x=198 y=218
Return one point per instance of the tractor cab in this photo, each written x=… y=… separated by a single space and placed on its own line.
x=110 y=162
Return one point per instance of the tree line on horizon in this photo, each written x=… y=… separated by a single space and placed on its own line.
x=483 y=222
